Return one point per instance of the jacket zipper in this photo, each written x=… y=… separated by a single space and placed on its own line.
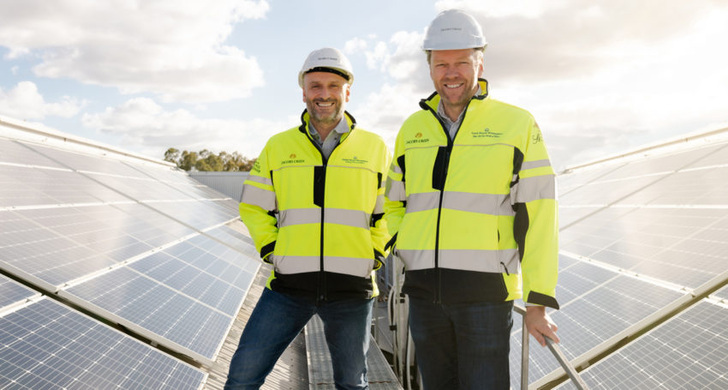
x=450 y=144
x=322 y=288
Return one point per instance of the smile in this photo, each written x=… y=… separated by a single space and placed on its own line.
x=453 y=86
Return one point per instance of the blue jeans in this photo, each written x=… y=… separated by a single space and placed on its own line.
x=278 y=318
x=462 y=346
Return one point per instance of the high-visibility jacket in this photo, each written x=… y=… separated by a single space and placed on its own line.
x=474 y=219
x=317 y=220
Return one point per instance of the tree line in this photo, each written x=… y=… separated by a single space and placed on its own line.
x=206 y=160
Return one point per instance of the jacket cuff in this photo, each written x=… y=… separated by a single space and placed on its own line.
x=391 y=242
x=266 y=251
x=542 y=299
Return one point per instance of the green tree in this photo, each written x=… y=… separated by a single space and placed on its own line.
x=206 y=160
x=172 y=155
x=209 y=161
x=187 y=160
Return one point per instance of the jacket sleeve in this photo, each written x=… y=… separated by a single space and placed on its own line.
x=258 y=207
x=536 y=226
x=379 y=232
x=395 y=192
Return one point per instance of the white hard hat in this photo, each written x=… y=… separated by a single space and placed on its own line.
x=453 y=30
x=327 y=59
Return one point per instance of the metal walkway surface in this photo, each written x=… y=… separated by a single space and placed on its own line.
x=320 y=373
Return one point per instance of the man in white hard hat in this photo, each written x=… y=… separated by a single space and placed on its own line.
x=313 y=204
x=471 y=204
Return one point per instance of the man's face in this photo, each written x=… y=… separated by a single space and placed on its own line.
x=455 y=74
x=325 y=95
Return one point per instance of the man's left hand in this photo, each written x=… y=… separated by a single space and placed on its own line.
x=539 y=324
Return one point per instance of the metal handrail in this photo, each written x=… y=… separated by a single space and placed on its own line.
x=555 y=350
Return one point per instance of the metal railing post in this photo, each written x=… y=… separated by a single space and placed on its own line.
x=524 y=355
x=555 y=350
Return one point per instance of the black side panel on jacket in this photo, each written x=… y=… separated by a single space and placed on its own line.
x=439 y=170
x=319 y=185
x=457 y=286
x=520 y=227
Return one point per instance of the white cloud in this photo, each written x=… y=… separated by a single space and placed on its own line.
x=600 y=78
x=144 y=126
x=500 y=9
x=355 y=45
x=166 y=47
x=25 y=102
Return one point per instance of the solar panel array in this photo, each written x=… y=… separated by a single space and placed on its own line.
x=690 y=351
x=640 y=237
x=103 y=241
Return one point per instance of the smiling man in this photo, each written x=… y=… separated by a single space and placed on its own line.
x=313 y=204
x=471 y=204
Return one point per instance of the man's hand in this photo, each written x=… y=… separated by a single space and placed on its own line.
x=539 y=324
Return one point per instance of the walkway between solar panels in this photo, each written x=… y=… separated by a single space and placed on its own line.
x=320 y=374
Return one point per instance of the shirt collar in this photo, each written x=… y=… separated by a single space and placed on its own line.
x=441 y=108
x=342 y=128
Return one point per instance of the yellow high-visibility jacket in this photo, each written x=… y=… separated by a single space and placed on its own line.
x=319 y=222
x=474 y=219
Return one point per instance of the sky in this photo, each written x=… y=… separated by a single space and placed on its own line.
x=600 y=77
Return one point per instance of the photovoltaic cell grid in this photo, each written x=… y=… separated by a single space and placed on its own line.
x=12 y=292
x=150 y=234
x=663 y=217
x=86 y=163
x=48 y=346
x=690 y=351
x=58 y=245
x=189 y=293
x=19 y=153
x=596 y=304
x=683 y=246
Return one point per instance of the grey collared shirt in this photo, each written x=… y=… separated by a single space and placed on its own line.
x=327 y=146
x=452 y=126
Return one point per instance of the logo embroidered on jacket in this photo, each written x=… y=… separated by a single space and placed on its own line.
x=417 y=140
x=354 y=160
x=292 y=160
x=486 y=133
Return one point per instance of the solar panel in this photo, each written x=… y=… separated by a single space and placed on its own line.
x=686 y=247
x=87 y=163
x=188 y=294
x=690 y=351
x=20 y=153
x=661 y=163
x=659 y=226
x=607 y=192
x=12 y=292
x=134 y=242
x=596 y=305
x=48 y=346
